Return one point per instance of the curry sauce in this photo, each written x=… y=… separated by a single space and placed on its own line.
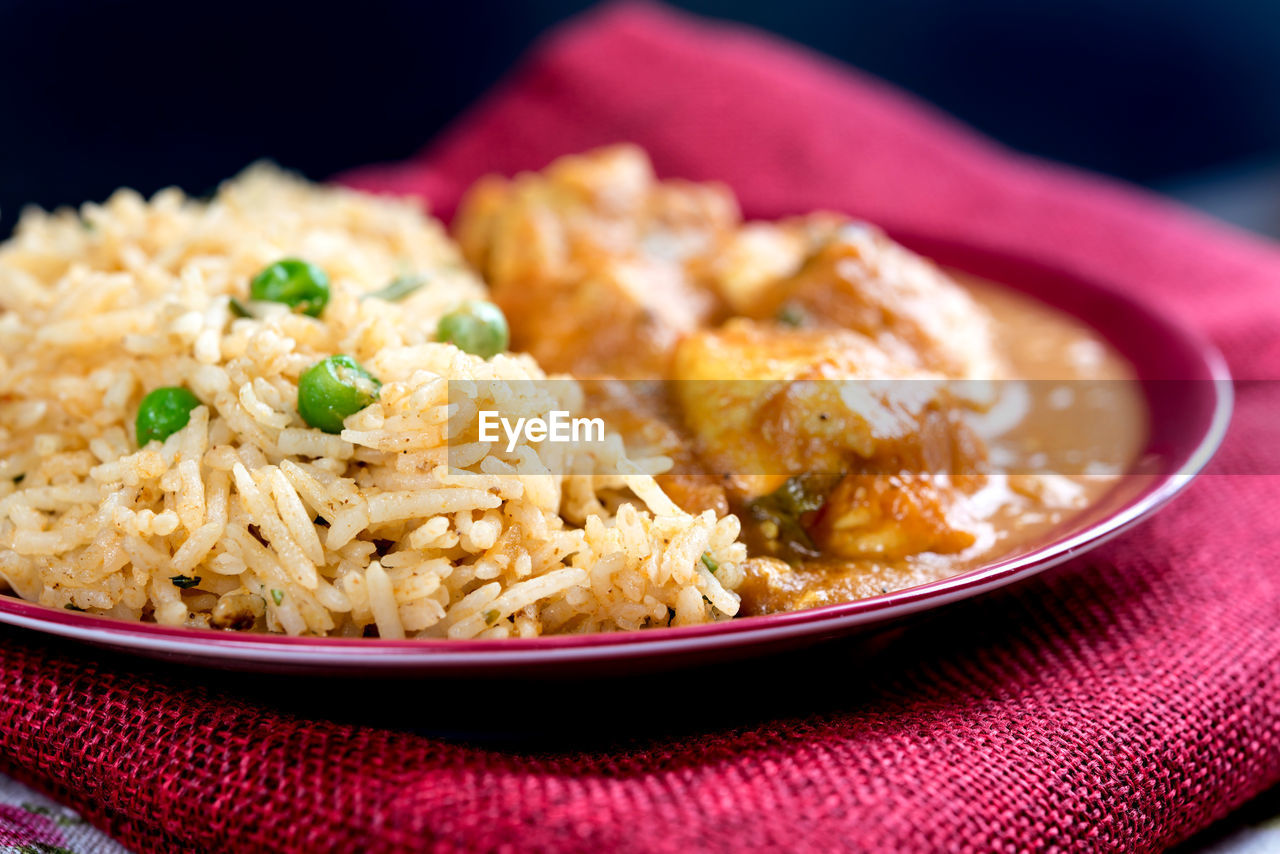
x=1093 y=440
x=873 y=421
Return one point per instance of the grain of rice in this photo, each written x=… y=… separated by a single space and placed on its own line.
x=382 y=602
x=273 y=529
x=295 y=517
x=396 y=506
x=196 y=548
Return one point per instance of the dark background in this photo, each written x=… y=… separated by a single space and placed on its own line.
x=95 y=95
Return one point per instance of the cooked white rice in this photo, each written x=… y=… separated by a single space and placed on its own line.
x=287 y=528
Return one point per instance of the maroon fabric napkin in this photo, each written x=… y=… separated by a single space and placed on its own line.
x=1117 y=704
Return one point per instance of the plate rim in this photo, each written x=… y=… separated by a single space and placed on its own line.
x=211 y=647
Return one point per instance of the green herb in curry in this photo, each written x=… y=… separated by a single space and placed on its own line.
x=781 y=512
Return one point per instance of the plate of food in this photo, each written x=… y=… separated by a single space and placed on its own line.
x=299 y=428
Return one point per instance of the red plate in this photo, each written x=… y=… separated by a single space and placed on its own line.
x=1188 y=420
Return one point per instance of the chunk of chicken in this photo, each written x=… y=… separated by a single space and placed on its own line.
x=827 y=271
x=887 y=517
x=818 y=401
x=832 y=443
x=597 y=264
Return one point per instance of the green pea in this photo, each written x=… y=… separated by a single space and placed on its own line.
x=164 y=412
x=478 y=327
x=302 y=286
x=332 y=389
